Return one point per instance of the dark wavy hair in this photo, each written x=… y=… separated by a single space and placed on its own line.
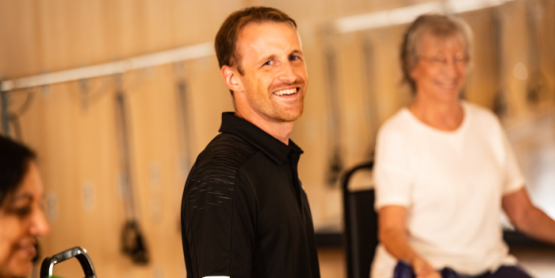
x=14 y=163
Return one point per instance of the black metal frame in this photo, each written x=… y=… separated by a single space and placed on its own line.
x=360 y=226
x=75 y=252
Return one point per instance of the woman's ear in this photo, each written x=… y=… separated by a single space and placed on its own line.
x=231 y=79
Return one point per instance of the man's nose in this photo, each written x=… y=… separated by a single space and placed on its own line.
x=39 y=224
x=287 y=74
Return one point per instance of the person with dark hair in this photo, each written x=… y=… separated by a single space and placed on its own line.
x=445 y=170
x=21 y=216
x=244 y=211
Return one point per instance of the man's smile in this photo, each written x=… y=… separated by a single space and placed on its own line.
x=286 y=92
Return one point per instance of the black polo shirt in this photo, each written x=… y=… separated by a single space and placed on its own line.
x=244 y=212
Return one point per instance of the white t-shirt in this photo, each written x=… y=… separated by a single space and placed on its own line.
x=451 y=184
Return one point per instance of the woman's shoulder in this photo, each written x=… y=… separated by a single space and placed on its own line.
x=398 y=124
x=479 y=111
x=483 y=118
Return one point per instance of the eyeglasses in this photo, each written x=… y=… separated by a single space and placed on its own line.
x=442 y=60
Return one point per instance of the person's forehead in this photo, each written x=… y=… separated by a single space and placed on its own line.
x=265 y=31
x=267 y=25
x=431 y=41
x=31 y=184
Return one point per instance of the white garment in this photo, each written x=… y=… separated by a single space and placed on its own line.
x=451 y=184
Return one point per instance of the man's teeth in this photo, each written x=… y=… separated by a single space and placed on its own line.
x=285 y=92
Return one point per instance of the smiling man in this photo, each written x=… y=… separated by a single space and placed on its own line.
x=244 y=212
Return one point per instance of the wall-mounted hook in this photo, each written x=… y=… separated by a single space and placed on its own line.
x=4 y=104
x=84 y=94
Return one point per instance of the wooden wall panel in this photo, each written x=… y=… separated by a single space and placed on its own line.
x=353 y=121
x=3 y=36
x=310 y=131
x=54 y=26
x=391 y=93
x=515 y=35
x=545 y=27
x=18 y=36
x=482 y=79
x=155 y=142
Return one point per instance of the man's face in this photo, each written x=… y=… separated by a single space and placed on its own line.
x=274 y=79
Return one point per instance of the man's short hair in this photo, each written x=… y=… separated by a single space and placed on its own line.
x=226 y=39
x=439 y=26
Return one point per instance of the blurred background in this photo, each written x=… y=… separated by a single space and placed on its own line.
x=118 y=97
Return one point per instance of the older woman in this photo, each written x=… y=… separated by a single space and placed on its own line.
x=21 y=217
x=444 y=170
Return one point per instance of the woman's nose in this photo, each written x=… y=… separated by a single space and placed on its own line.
x=454 y=67
x=451 y=68
x=39 y=224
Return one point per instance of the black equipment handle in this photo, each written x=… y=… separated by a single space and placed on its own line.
x=77 y=252
x=360 y=226
x=133 y=244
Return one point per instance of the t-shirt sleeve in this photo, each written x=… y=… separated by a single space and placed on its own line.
x=393 y=173
x=514 y=179
x=218 y=223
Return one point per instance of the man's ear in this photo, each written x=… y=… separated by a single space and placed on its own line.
x=231 y=79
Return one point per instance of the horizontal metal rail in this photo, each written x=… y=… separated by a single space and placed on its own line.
x=341 y=25
x=145 y=61
x=408 y=14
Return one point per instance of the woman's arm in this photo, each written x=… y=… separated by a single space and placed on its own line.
x=393 y=235
x=527 y=218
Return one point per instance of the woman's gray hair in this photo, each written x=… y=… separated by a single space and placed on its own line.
x=440 y=26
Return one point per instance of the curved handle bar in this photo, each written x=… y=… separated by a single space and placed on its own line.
x=77 y=252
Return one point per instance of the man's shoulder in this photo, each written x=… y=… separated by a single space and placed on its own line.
x=224 y=155
x=212 y=179
x=227 y=146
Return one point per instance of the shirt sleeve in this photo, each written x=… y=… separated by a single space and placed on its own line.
x=218 y=224
x=514 y=179
x=393 y=173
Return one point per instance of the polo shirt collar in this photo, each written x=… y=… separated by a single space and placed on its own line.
x=266 y=143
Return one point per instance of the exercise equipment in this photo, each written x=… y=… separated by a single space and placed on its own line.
x=335 y=165
x=500 y=99
x=47 y=266
x=4 y=103
x=370 y=101
x=183 y=120
x=361 y=225
x=10 y=120
x=132 y=240
x=537 y=82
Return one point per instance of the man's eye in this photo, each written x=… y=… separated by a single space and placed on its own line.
x=269 y=63
x=294 y=57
